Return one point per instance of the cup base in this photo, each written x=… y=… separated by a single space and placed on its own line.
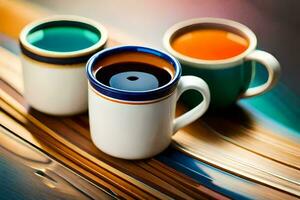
x=133 y=155
x=58 y=114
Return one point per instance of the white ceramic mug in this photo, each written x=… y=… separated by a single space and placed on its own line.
x=139 y=124
x=54 y=54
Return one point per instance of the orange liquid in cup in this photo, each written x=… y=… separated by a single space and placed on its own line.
x=210 y=44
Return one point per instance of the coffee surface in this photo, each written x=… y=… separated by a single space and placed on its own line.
x=63 y=39
x=210 y=44
x=133 y=76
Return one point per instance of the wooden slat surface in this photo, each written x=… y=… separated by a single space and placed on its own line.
x=234 y=142
x=68 y=140
x=75 y=144
x=72 y=146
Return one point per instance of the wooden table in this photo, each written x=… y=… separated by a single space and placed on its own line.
x=238 y=153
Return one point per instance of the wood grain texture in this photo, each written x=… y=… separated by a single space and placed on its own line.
x=133 y=177
x=84 y=158
x=233 y=141
x=67 y=139
x=22 y=165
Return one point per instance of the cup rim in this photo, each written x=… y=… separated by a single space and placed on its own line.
x=127 y=95
x=212 y=64
x=60 y=55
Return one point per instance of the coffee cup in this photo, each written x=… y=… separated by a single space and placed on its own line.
x=224 y=54
x=54 y=55
x=133 y=92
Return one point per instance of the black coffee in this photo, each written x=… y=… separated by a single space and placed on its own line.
x=133 y=76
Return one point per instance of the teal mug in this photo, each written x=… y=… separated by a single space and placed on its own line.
x=228 y=79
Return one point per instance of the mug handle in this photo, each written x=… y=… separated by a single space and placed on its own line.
x=273 y=68
x=191 y=83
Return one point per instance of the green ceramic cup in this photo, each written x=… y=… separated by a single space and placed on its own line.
x=228 y=79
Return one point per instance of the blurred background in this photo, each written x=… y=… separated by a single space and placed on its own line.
x=276 y=23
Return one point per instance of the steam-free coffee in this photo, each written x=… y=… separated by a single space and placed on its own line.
x=133 y=92
x=223 y=53
x=210 y=44
x=133 y=76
